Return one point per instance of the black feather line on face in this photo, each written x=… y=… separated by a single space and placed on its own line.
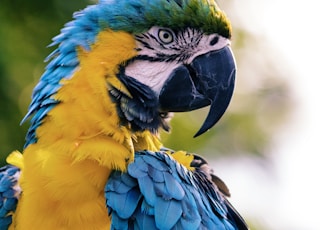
x=139 y=111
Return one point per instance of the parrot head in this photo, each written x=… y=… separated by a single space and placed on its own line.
x=183 y=57
x=185 y=69
x=182 y=61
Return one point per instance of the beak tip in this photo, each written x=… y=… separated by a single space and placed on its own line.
x=200 y=132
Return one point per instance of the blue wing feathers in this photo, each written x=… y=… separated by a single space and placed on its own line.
x=120 y=187
x=156 y=177
x=167 y=213
x=9 y=194
x=146 y=208
x=128 y=203
x=170 y=197
x=173 y=187
x=192 y=217
x=119 y=223
x=148 y=191
x=139 y=169
x=144 y=221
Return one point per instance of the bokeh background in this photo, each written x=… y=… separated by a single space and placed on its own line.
x=265 y=147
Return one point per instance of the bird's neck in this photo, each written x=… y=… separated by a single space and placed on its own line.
x=78 y=145
x=86 y=122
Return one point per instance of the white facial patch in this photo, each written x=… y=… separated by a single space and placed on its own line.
x=161 y=50
x=205 y=47
x=152 y=74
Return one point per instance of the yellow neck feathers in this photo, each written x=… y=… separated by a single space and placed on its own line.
x=79 y=143
x=86 y=119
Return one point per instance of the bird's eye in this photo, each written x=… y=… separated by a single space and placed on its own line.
x=165 y=36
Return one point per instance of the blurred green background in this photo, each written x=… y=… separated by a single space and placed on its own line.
x=259 y=108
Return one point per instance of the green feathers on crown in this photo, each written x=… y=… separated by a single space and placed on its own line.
x=138 y=16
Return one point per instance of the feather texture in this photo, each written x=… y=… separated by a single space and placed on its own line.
x=79 y=142
x=88 y=119
x=82 y=33
x=167 y=196
x=9 y=194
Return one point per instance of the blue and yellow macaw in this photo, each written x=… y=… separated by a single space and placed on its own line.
x=93 y=158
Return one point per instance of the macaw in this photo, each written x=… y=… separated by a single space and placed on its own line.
x=93 y=158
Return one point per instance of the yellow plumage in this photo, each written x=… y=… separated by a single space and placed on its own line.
x=79 y=143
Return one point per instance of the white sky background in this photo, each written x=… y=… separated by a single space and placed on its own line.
x=286 y=195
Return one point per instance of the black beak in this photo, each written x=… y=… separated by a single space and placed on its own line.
x=207 y=80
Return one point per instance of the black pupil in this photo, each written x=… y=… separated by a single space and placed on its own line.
x=166 y=35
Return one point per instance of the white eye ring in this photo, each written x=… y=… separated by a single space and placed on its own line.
x=165 y=36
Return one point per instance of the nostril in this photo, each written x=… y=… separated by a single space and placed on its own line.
x=214 y=41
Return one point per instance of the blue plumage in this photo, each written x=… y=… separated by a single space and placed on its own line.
x=9 y=194
x=64 y=61
x=161 y=192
